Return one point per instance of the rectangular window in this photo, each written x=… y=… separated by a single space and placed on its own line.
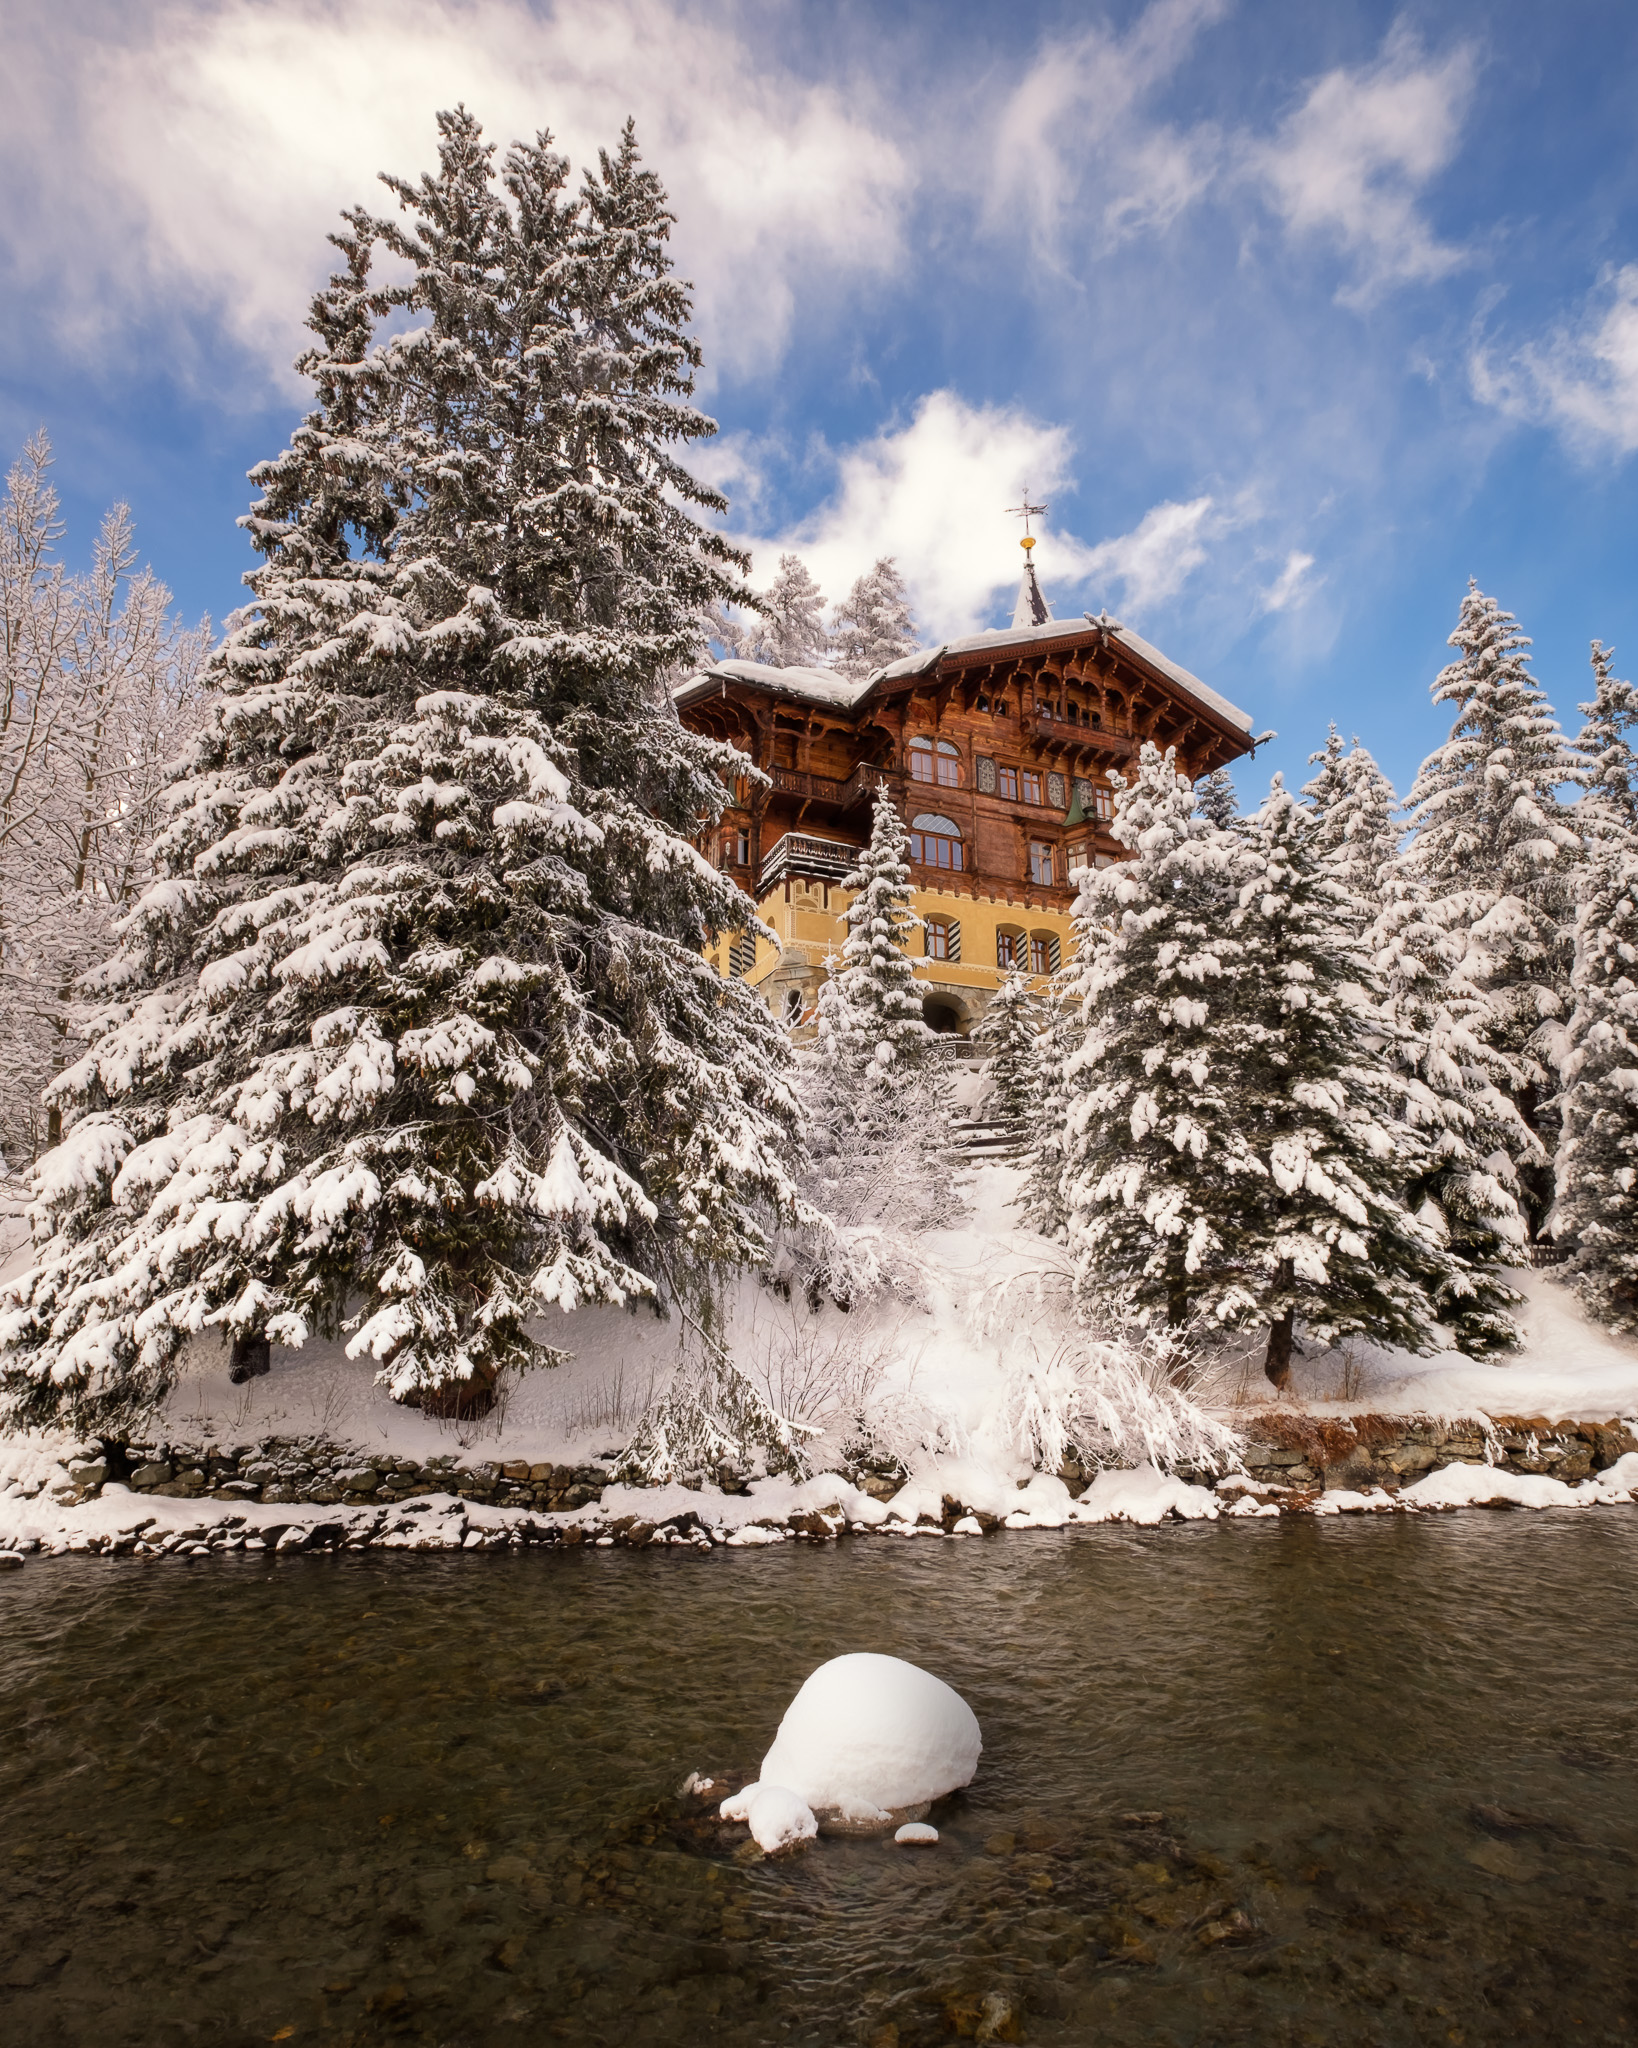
x=1008 y=778
x=938 y=940
x=1103 y=804
x=1006 y=948
x=934 y=850
x=742 y=849
x=1032 y=787
x=1040 y=956
x=1075 y=857
x=949 y=770
x=1040 y=863
x=921 y=763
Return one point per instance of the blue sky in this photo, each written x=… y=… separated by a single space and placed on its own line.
x=1297 y=317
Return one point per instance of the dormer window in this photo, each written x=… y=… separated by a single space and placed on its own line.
x=983 y=702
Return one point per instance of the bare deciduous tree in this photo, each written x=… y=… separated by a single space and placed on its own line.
x=100 y=683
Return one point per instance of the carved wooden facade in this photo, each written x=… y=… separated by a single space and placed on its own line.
x=996 y=749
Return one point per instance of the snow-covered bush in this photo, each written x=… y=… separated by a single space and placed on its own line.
x=712 y=1422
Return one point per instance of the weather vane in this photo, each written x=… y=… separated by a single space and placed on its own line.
x=1026 y=511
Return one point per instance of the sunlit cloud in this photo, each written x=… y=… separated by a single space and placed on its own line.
x=197 y=155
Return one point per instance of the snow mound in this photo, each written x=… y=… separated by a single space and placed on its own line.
x=774 y=1814
x=867 y=1730
x=1479 y=1486
x=915 y=1832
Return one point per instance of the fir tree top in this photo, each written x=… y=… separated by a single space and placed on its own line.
x=1610 y=806
x=1353 y=804
x=1217 y=800
x=1485 y=810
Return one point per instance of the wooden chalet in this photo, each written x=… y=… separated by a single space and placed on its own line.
x=997 y=750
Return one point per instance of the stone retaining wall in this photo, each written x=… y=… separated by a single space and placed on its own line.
x=1356 y=1451
x=1286 y=1452
x=310 y=1470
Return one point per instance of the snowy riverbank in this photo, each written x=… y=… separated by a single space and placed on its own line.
x=121 y=1523
x=944 y=1370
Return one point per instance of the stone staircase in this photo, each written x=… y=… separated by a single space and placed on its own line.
x=979 y=1141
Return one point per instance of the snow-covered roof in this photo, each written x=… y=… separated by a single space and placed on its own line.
x=926 y=659
x=808 y=685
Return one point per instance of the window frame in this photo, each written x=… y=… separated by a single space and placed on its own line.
x=1043 y=854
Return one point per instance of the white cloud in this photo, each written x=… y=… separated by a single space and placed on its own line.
x=1348 y=164
x=1079 y=152
x=213 y=142
x=1154 y=560
x=1583 y=380
x=1291 y=586
x=1075 y=120
x=933 y=494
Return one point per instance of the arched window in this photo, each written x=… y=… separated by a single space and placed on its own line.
x=935 y=841
x=943 y=938
x=1011 y=950
x=935 y=761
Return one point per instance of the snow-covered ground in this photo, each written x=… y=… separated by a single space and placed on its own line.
x=939 y=1377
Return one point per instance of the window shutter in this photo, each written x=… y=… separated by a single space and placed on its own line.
x=954 y=931
x=742 y=956
x=1054 y=953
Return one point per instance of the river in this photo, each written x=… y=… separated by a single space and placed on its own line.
x=1367 y=1782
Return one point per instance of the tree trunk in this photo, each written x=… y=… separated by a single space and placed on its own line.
x=1177 y=1301
x=1278 y=1362
x=1281 y=1334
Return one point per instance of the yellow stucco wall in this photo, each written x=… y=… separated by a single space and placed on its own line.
x=810 y=927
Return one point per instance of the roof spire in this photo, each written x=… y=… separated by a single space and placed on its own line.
x=1032 y=608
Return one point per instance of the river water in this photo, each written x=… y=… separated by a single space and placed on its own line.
x=1295 y=1782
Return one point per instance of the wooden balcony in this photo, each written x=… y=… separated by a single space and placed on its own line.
x=798 y=853
x=859 y=788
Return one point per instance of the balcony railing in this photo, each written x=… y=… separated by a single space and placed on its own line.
x=824 y=860
x=818 y=789
x=825 y=789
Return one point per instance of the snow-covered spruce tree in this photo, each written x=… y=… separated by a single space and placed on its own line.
x=1061 y=1033
x=1456 y=1094
x=1595 y=1210
x=876 y=1095
x=1353 y=804
x=1009 y=1033
x=1318 y=1232
x=414 y=1035
x=1153 y=1156
x=1609 y=771
x=1493 y=849
x=873 y=625
x=1217 y=800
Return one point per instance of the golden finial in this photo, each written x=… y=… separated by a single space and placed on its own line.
x=1026 y=511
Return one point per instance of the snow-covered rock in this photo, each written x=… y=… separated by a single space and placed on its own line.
x=868 y=1731
x=775 y=1815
